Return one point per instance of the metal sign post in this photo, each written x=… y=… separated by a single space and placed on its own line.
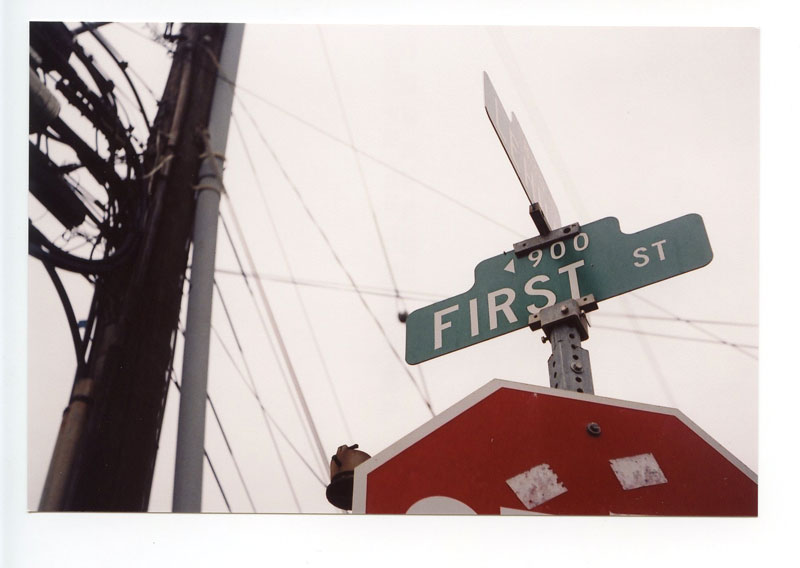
x=565 y=326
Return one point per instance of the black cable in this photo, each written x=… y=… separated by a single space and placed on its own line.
x=258 y=399
x=352 y=142
x=70 y=313
x=342 y=287
x=308 y=423
x=266 y=415
x=205 y=452
x=674 y=318
x=338 y=260
x=230 y=451
x=41 y=248
x=705 y=331
x=303 y=308
x=123 y=67
x=683 y=337
x=216 y=478
x=372 y=157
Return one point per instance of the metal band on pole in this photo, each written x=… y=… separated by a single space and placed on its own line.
x=187 y=494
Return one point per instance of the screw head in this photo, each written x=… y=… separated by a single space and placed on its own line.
x=577 y=366
x=593 y=428
x=564 y=309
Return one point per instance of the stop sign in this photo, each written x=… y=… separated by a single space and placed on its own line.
x=512 y=448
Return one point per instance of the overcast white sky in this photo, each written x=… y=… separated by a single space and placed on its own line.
x=641 y=124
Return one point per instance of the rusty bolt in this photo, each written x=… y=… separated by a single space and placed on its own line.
x=593 y=428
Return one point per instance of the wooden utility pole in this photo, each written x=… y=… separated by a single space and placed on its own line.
x=106 y=449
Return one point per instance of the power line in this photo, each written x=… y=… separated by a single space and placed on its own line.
x=341 y=286
x=143 y=36
x=230 y=451
x=714 y=336
x=205 y=452
x=674 y=318
x=254 y=391
x=278 y=336
x=265 y=414
x=437 y=296
x=646 y=346
x=375 y=159
x=216 y=478
x=263 y=323
x=399 y=303
x=336 y=257
x=257 y=397
x=288 y=264
x=358 y=163
x=683 y=337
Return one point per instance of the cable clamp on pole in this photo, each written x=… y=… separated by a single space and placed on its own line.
x=201 y=186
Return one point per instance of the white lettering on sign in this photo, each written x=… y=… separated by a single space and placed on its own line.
x=544 y=292
x=439 y=325
x=660 y=250
x=535 y=486
x=440 y=505
x=473 y=317
x=641 y=254
x=500 y=301
x=505 y=307
x=637 y=471
x=558 y=245
x=558 y=249
x=572 y=273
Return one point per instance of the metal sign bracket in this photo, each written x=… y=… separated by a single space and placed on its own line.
x=524 y=247
x=539 y=219
x=565 y=326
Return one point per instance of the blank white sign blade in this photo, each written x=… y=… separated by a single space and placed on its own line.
x=519 y=153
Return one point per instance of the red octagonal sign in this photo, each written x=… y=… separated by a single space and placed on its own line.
x=511 y=448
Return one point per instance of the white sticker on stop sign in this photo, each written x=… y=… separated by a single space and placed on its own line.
x=638 y=471
x=535 y=486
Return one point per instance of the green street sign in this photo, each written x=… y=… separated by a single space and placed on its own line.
x=510 y=289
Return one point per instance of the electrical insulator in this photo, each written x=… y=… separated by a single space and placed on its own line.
x=340 y=492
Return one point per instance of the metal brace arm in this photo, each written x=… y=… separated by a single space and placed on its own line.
x=523 y=247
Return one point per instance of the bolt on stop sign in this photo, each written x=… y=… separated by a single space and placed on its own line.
x=511 y=448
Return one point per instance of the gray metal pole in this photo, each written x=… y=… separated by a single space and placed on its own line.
x=187 y=494
x=565 y=326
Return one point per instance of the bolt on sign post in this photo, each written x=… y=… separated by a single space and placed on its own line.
x=511 y=289
x=512 y=448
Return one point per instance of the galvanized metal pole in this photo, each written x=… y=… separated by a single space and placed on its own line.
x=565 y=326
x=187 y=494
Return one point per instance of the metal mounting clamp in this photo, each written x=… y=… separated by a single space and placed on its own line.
x=565 y=326
x=569 y=311
x=523 y=247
